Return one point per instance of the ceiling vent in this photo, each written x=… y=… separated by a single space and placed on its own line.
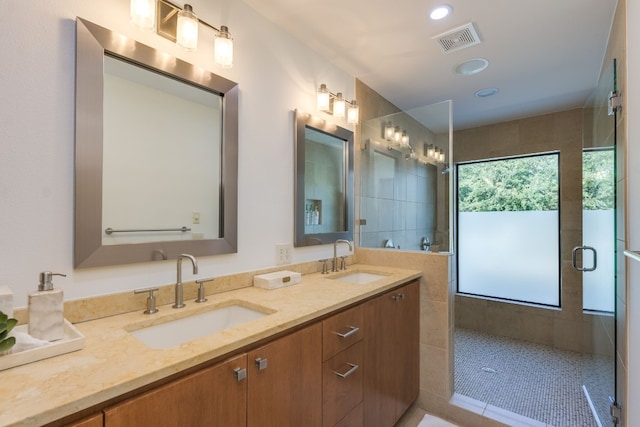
x=458 y=38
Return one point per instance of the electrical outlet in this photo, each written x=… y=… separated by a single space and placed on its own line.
x=196 y=218
x=283 y=253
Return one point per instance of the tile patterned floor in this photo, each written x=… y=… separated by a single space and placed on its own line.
x=532 y=380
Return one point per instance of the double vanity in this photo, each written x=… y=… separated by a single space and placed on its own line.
x=337 y=349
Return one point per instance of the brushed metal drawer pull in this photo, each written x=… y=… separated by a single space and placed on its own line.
x=398 y=297
x=261 y=364
x=240 y=374
x=352 y=330
x=352 y=369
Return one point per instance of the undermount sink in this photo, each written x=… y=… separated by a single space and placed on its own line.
x=177 y=331
x=360 y=277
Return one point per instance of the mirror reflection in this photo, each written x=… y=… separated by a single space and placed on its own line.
x=148 y=158
x=405 y=185
x=324 y=182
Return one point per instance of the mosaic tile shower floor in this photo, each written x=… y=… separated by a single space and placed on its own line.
x=528 y=379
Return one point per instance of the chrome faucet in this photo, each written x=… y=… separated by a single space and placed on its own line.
x=334 y=264
x=179 y=300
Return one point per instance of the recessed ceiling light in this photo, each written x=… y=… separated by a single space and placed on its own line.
x=440 y=12
x=472 y=66
x=490 y=91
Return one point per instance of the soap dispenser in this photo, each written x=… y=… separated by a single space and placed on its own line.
x=46 y=309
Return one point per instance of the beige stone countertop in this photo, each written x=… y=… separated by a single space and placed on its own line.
x=114 y=362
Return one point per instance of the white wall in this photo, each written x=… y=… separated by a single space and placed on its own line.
x=633 y=209
x=276 y=74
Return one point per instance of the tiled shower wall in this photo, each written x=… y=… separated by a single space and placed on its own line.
x=397 y=200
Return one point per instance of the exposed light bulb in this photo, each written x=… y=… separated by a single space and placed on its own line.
x=223 y=48
x=143 y=14
x=187 y=29
x=322 y=98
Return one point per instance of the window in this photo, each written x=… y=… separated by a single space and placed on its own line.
x=508 y=229
x=598 y=228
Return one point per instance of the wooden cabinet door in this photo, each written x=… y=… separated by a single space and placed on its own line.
x=391 y=355
x=379 y=355
x=92 y=421
x=210 y=397
x=408 y=339
x=285 y=381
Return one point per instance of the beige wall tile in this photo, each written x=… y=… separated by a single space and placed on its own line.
x=433 y=375
x=538 y=329
x=434 y=325
x=565 y=336
x=503 y=320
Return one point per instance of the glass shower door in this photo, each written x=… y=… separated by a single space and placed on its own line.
x=596 y=258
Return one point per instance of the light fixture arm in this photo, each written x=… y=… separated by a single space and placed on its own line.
x=180 y=25
x=177 y=9
x=352 y=103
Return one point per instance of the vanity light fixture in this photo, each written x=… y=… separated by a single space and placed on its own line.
x=404 y=139
x=143 y=14
x=339 y=105
x=353 y=113
x=324 y=98
x=430 y=150
x=389 y=130
x=397 y=135
x=433 y=154
x=223 y=48
x=181 y=26
x=187 y=30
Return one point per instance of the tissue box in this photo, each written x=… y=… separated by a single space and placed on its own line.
x=277 y=279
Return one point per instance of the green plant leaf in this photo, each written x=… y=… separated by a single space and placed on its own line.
x=3 y=317
x=7 y=344
x=11 y=323
x=3 y=335
x=3 y=326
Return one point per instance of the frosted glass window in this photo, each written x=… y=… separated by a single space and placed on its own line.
x=508 y=229
x=598 y=228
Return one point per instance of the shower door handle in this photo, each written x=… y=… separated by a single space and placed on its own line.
x=574 y=258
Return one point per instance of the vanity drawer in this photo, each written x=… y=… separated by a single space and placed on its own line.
x=341 y=331
x=342 y=384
